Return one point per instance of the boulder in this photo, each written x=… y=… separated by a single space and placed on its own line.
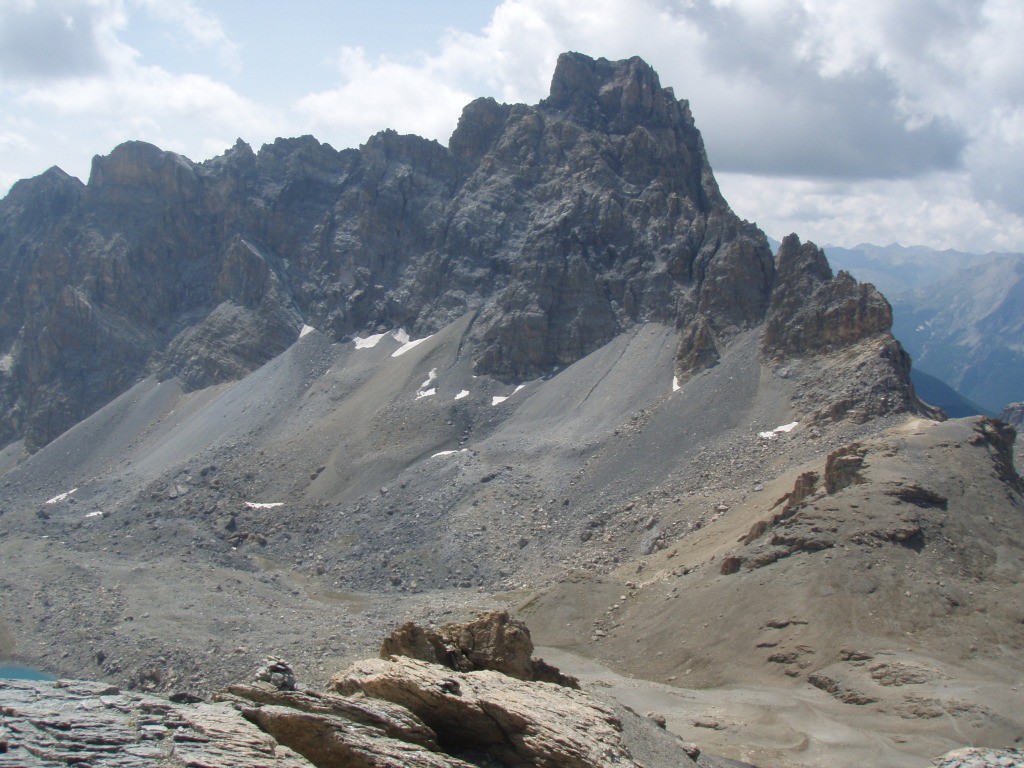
x=515 y=722
x=494 y=641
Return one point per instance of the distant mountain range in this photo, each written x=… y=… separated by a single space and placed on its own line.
x=959 y=315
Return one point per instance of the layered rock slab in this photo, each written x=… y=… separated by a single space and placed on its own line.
x=397 y=713
x=516 y=722
x=85 y=723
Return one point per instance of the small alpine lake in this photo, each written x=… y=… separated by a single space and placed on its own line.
x=17 y=672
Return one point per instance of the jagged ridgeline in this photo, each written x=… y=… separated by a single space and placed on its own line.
x=555 y=227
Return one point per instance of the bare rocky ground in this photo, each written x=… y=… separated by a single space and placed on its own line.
x=880 y=618
x=599 y=502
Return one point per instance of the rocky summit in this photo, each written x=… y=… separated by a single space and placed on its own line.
x=261 y=411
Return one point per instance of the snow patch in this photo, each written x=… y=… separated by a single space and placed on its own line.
x=499 y=399
x=6 y=363
x=306 y=329
x=449 y=453
x=462 y=394
x=368 y=342
x=97 y=513
x=772 y=434
x=263 y=505
x=60 y=497
x=403 y=338
x=425 y=389
x=676 y=386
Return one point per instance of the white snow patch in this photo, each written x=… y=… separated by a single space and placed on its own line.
x=772 y=434
x=676 y=386
x=425 y=389
x=306 y=329
x=499 y=399
x=462 y=394
x=449 y=453
x=368 y=342
x=60 y=497
x=403 y=338
x=263 y=505
x=97 y=513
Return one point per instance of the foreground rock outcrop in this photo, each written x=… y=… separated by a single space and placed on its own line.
x=395 y=713
x=555 y=227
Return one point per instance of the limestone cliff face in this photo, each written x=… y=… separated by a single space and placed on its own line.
x=556 y=226
x=812 y=311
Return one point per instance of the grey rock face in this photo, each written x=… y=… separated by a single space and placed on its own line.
x=555 y=226
x=813 y=311
x=1013 y=414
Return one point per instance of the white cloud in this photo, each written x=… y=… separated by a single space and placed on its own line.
x=11 y=140
x=933 y=210
x=383 y=94
x=179 y=112
x=48 y=39
x=202 y=28
x=146 y=94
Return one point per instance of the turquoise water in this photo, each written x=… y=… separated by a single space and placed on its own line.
x=22 y=673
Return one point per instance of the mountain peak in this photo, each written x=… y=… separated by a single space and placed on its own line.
x=622 y=94
x=54 y=189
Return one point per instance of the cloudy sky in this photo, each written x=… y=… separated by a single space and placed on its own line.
x=845 y=121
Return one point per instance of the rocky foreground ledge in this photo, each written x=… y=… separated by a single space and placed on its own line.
x=456 y=709
x=467 y=695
